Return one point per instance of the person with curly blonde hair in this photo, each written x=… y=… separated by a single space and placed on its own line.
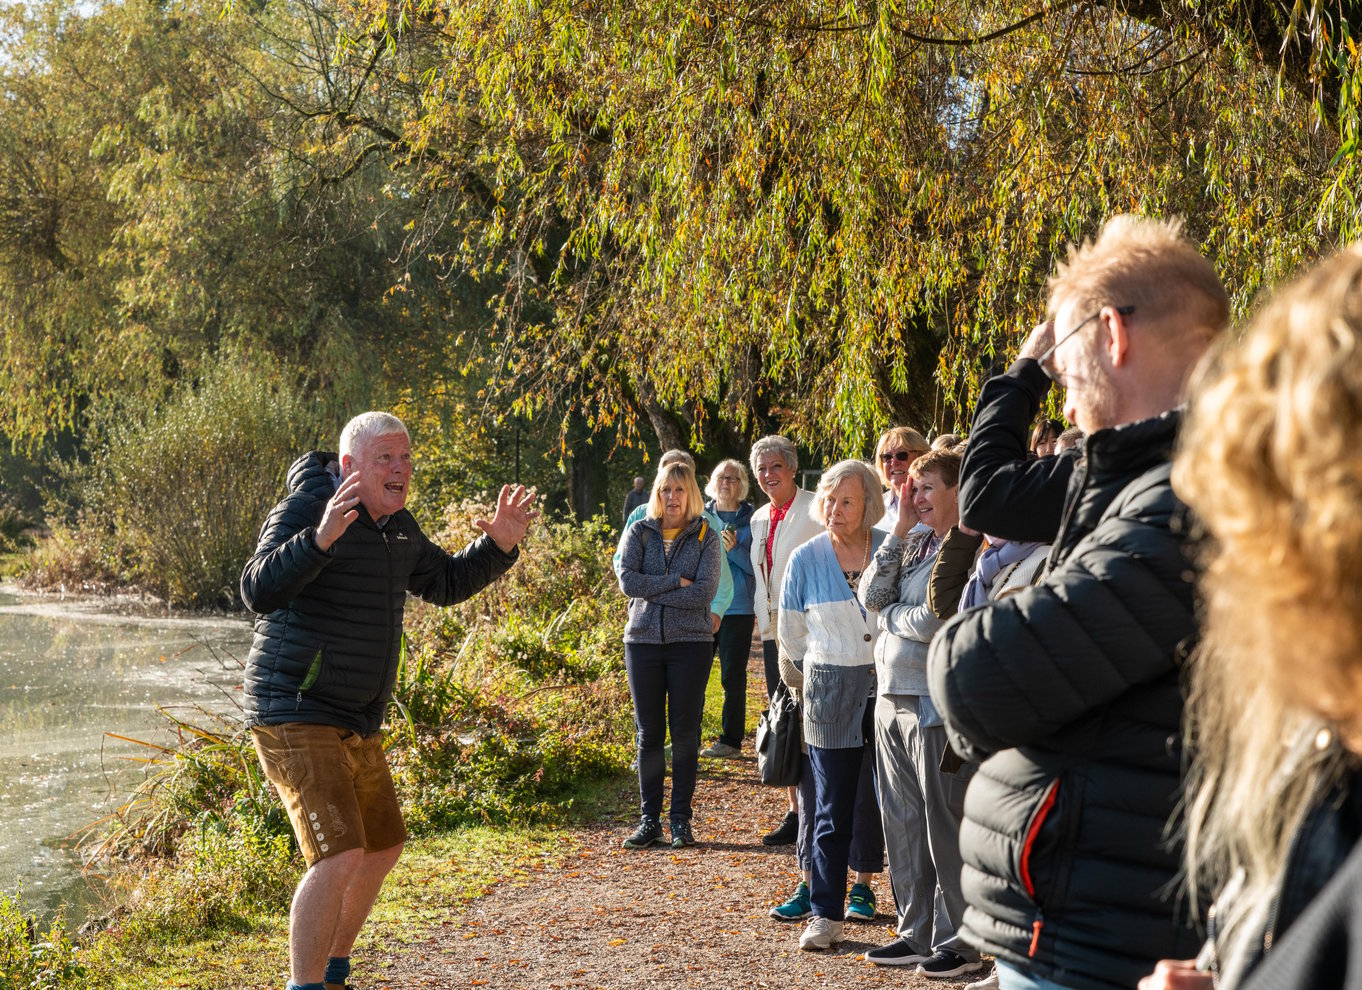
x=1271 y=466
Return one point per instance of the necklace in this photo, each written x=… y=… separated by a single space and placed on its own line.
x=854 y=575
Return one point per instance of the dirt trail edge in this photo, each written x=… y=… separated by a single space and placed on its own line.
x=618 y=919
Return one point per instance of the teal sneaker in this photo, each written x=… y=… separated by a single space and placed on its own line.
x=861 y=903
x=797 y=908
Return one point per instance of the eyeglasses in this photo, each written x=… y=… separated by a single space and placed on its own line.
x=726 y=479
x=1046 y=359
x=895 y=455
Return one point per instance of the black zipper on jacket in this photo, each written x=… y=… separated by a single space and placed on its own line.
x=1069 y=510
x=387 y=662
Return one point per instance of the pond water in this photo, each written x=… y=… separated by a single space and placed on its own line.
x=70 y=676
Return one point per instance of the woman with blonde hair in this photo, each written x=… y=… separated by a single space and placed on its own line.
x=669 y=568
x=898 y=447
x=1271 y=466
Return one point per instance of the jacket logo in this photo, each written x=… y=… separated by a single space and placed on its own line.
x=401 y=537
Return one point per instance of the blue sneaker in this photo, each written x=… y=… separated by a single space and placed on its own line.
x=797 y=908
x=860 y=903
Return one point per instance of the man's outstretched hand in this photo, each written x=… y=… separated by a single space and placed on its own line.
x=515 y=512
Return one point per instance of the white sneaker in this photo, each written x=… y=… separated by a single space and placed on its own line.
x=989 y=982
x=822 y=933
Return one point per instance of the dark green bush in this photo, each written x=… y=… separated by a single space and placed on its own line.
x=14 y=524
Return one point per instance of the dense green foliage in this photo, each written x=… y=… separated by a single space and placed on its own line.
x=30 y=958
x=625 y=220
x=833 y=215
x=511 y=702
x=172 y=502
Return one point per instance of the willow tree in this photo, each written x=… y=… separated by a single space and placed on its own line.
x=715 y=216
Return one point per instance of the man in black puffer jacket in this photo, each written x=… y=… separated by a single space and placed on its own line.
x=1069 y=691
x=328 y=583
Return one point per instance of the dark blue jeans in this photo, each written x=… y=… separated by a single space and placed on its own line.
x=734 y=646
x=866 y=852
x=667 y=683
x=838 y=790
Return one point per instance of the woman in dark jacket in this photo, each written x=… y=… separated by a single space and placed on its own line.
x=669 y=568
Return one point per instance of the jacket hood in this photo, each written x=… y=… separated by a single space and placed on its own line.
x=309 y=473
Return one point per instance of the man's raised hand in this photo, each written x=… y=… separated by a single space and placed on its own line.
x=341 y=510
x=1041 y=340
x=515 y=512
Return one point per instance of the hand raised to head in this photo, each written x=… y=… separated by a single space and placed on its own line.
x=1041 y=340
x=342 y=509
x=907 y=517
x=515 y=512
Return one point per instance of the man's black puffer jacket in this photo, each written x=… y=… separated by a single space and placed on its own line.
x=329 y=624
x=1069 y=691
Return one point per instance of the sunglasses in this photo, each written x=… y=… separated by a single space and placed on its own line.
x=896 y=455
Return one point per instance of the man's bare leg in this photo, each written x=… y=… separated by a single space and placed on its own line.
x=360 y=896
x=315 y=915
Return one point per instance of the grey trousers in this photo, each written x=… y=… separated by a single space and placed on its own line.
x=921 y=808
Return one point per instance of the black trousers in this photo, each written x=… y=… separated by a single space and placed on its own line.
x=733 y=644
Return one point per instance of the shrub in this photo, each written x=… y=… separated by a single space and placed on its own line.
x=185 y=491
x=224 y=871
x=31 y=959
x=207 y=777
x=509 y=702
x=83 y=557
x=14 y=524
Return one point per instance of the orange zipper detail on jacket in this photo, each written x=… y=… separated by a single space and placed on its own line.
x=1046 y=804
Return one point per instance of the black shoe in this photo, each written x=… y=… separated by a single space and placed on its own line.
x=682 y=835
x=784 y=833
x=945 y=964
x=896 y=953
x=648 y=833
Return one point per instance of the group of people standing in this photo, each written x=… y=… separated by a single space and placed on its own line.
x=836 y=583
x=992 y=642
x=1099 y=709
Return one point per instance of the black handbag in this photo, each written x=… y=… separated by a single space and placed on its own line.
x=780 y=732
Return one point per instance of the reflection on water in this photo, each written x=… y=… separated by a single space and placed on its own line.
x=68 y=676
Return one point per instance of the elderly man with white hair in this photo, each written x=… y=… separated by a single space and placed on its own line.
x=328 y=582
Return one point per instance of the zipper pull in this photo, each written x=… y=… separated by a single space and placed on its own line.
x=1036 y=926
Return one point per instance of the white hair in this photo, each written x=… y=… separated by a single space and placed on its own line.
x=744 y=484
x=840 y=472
x=369 y=426
x=775 y=444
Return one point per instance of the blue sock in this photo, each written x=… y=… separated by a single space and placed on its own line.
x=337 y=969
x=305 y=986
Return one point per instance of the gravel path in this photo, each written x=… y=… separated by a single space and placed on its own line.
x=618 y=919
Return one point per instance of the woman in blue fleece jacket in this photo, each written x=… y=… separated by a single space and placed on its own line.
x=669 y=568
